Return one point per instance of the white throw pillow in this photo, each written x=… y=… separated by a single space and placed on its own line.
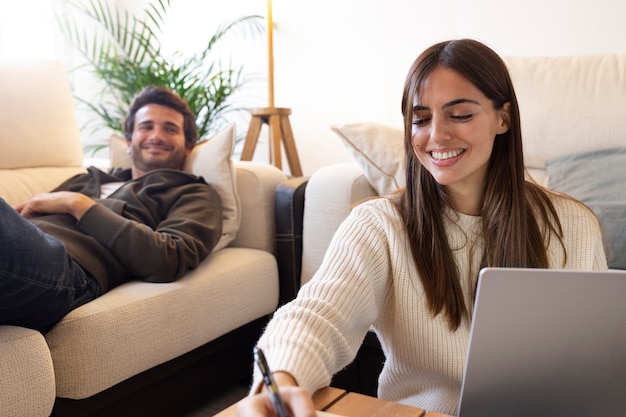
x=379 y=150
x=211 y=160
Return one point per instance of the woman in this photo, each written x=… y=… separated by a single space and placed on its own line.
x=407 y=264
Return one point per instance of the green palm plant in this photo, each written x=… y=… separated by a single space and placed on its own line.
x=123 y=50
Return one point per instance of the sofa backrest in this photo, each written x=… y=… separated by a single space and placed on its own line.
x=569 y=104
x=39 y=139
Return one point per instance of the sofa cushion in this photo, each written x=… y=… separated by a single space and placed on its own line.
x=210 y=159
x=379 y=150
x=28 y=374
x=597 y=179
x=17 y=185
x=139 y=325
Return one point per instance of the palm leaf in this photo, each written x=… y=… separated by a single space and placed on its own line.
x=124 y=52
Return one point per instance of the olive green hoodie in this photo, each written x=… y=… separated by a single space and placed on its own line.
x=153 y=228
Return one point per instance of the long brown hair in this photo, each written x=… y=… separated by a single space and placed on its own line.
x=511 y=232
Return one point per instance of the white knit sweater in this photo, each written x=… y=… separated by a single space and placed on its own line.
x=368 y=279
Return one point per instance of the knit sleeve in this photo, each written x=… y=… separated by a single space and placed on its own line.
x=320 y=332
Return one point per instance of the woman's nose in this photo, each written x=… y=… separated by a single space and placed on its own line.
x=439 y=129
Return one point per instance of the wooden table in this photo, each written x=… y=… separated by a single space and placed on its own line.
x=350 y=404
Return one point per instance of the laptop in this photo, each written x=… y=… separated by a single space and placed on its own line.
x=546 y=343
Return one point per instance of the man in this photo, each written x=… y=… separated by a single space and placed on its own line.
x=95 y=231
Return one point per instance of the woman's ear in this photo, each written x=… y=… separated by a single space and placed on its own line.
x=505 y=118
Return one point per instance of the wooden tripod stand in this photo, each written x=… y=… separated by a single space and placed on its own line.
x=280 y=132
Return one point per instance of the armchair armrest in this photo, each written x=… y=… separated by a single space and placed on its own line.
x=331 y=193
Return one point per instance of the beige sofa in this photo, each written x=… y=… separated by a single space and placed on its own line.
x=142 y=348
x=569 y=105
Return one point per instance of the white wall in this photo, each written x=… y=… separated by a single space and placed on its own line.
x=344 y=61
x=22 y=21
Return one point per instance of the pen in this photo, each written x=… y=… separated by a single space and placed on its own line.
x=272 y=388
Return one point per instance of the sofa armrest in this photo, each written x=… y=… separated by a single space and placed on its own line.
x=331 y=193
x=289 y=212
x=27 y=375
x=256 y=186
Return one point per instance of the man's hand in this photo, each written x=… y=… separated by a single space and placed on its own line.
x=62 y=202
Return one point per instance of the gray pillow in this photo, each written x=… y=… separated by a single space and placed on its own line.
x=598 y=179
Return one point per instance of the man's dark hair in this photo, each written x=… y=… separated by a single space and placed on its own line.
x=163 y=97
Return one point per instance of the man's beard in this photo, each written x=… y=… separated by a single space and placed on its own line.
x=175 y=160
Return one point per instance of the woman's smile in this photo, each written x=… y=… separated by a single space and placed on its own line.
x=446 y=156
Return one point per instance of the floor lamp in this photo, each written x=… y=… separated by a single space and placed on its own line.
x=276 y=118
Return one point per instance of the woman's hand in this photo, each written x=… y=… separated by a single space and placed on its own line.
x=297 y=400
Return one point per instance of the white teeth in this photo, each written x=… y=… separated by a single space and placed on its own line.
x=446 y=155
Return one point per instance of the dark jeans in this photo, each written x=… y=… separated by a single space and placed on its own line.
x=39 y=282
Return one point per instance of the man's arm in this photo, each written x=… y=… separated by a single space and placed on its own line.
x=61 y=202
x=165 y=251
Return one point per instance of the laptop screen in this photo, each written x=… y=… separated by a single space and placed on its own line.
x=547 y=343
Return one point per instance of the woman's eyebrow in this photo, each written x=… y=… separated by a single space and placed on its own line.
x=460 y=101
x=452 y=103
